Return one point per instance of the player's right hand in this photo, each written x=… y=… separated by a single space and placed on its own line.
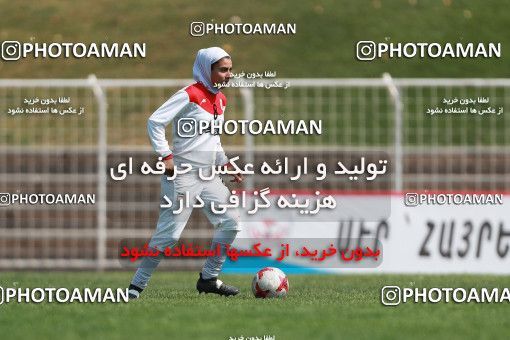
x=169 y=167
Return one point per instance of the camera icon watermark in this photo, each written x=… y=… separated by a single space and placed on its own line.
x=5 y=199
x=187 y=127
x=391 y=295
x=197 y=29
x=366 y=50
x=411 y=199
x=11 y=50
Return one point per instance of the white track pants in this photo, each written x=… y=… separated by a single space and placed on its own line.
x=170 y=225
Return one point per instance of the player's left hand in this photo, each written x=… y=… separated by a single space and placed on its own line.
x=236 y=178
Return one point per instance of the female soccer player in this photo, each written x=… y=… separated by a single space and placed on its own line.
x=201 y=101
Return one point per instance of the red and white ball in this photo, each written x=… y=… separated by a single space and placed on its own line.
x=270 y=282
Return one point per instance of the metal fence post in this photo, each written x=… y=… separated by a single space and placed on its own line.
x=249 y=142
x=102 y=154
x=397 y=100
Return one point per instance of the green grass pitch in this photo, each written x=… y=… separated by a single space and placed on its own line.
x=317 y=307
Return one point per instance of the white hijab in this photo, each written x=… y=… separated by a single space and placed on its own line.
x=202 y=67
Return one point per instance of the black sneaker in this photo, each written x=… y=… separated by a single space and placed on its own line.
x=134 y=292
x=215 y=286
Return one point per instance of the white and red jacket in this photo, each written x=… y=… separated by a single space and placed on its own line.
x=192 y=102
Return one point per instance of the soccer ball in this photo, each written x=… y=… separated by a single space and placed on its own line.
x=270 y=282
